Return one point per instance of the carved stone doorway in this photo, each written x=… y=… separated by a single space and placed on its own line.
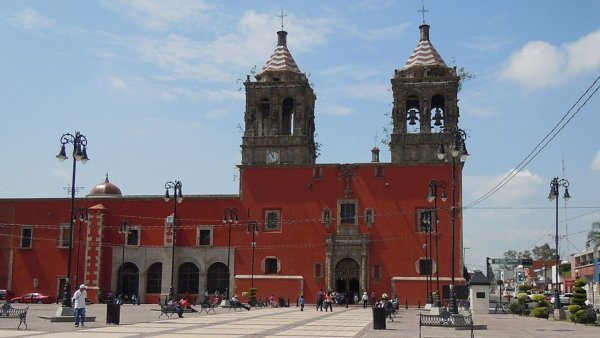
x=347 y=276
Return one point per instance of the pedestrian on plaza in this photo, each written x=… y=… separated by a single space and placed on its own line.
x=110 y=298
x=373 y=299
x=301 y=301
x=328 y=302
x=320 y=297
x=365 y=299
x=100 y=296
x=78 y=301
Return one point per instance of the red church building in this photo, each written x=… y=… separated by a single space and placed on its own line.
x=295 y=227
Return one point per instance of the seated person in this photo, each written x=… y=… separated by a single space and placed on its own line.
x=234 y=301
x=174 y=305
x=186 y=305
x=272 y=301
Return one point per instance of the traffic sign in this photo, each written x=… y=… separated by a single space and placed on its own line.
x=506 y=261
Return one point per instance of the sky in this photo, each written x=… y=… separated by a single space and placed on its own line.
x=156 y=88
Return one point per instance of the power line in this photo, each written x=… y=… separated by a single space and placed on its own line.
x=567 y=117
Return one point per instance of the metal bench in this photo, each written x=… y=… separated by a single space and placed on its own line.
x=207 y=307
x=7 y=311
x=167 y=310
x=445 y=319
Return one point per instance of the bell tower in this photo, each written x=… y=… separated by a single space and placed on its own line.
x=279 y=117
x=425 y=104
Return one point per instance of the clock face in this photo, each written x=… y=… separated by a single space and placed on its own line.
x=272 y=156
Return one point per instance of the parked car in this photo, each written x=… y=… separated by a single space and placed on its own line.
x=564 y=299
x=34 y=297
x=6 y=295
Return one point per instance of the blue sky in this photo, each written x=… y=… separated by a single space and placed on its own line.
x=155 y=86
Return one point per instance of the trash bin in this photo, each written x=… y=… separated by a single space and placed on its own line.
x=113 y=313
x=379 y=318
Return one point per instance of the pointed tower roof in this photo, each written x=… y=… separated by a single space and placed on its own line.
x=281 y=59
x=424 y=54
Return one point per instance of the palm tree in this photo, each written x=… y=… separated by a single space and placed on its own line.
x=593 y=237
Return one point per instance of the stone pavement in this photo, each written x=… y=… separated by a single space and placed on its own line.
x=141 y=321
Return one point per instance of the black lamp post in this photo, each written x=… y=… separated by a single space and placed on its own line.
x=252 y=226
x=79 y=154
x=177 y=198
x=83 y=217
x=555 y=184
x=123 y=229
x=458 y=149
x=432 y=196
x=230 y=217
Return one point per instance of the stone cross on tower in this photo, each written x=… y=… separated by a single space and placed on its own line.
x=347 y=172
x=282 y=15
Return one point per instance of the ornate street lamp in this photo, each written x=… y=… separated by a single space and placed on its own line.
x=230 y=217
x=458 y=149
x=83 y=217
x=432 y=196
x=555 y=184
x=252 y=226
x=124 y=229
x=79 y=154
x=178 y=198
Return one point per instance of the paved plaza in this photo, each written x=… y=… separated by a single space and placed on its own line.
x=142 y=321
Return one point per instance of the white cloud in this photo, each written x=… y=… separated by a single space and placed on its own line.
x=539 y=64
x=161 y=15
x=596 y=162
x=584 y=54
x=228 y=55
x=30 y=19
x=524 y=186
x=118 y=83
x=336 y=110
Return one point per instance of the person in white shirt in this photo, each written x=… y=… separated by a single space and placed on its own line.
x=79 y=305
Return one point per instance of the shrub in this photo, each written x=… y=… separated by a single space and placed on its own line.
x=526 y=312
x=583 y=316
x=543 y=303
x=579 y=282
x=540 y=312
x=574 y=308
x=522 y=297
x=516 y=308
x=579 y=293
x=537 y=298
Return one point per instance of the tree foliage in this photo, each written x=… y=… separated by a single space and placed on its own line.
x=543 y=252
x=513 y=254
x=593 y=237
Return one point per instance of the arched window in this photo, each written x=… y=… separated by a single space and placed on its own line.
x=154 y=278
x=188 y=278
x=287 y=117
x=128 y=279
x=217 y=278
x=413 y=115
x=438 y=114
x=264 y=108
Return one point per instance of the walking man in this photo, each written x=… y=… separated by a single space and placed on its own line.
x=79 y=305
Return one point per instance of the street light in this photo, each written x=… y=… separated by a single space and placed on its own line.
x=178 y=198
x=123 y=229
x=79 y=142
x=555 y=184
x=230 y=217
x=252 y=226
x=458 y=149
x=83 y=217
x=432 y=196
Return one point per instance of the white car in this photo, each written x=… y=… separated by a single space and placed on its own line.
x=564 y=299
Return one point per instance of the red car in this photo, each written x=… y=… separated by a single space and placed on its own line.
x=34 y=297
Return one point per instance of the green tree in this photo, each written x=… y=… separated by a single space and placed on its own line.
x=593 y=237
x=543 y=252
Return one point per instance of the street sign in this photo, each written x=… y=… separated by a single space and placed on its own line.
x=505 y=261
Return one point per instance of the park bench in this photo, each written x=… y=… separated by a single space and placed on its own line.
x=445 y=319
x=207 y=307
x=7 y=311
